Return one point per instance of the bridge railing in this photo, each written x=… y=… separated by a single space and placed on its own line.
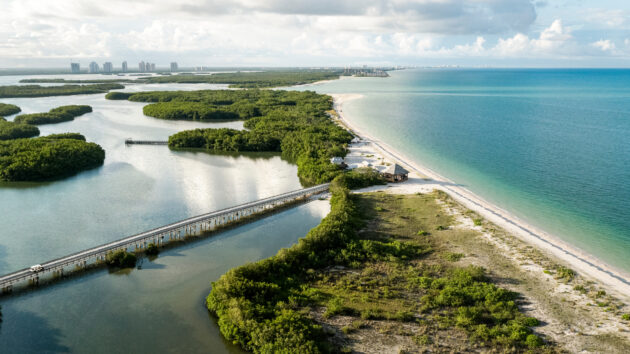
x=99 y=250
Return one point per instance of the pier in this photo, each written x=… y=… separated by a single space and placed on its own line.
x=160 y=236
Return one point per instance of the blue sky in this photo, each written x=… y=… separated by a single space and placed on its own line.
x=504 y=33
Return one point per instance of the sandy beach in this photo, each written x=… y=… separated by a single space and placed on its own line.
x=423 y=179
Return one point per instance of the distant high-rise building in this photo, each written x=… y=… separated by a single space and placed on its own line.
x=93 y=68
x=142 y=67
x=152 y=66
x=174 y=66
x=75 y=68
x=124 y=66
x=108 y=67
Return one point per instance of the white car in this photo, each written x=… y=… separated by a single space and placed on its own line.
x=37 y=268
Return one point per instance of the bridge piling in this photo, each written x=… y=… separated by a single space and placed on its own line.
x=160 y=236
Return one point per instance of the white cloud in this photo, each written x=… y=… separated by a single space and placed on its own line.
x=554 y=39
x=287 y=32
x=604 y=45
x=612 y=18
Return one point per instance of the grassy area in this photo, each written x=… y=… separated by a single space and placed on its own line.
x=369 y=271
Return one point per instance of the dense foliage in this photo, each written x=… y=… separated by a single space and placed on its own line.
x=117 y=95
x=251 y=79
x=293 y=123
x=262 y=306
x=42 y=159
x=188 y=111
x=120 y=259
x=63 y=90
x=10 y=130
x=64 y=81
x=8 y=109
x=55 y=115
x=75 y=136
x=152 y=249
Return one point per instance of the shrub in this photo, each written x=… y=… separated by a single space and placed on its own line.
x=565 y=273
x=152 y=249
x=422 y=339
x=453 y=257
x=62 y=90
x=423 y=233
x=10 y=130
x=477 y=222
x=334 y=307
x=625 y=317
x=120 y=259
x=43 y=159
x=73 y=136
x=116 y=95
x=533 y=341
x=9 y=109
x=55 y=115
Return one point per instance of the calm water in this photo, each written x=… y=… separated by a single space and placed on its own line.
x=551 y=146
x=159 y=308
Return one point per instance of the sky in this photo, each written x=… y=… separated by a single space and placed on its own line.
x=497 y=33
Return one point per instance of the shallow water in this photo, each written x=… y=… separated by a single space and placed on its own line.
x=159 y=308
x=550 y=146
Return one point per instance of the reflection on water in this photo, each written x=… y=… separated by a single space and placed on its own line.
x=160 y=307
x=157 y=309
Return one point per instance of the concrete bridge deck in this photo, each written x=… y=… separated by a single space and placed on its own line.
x=159 y=236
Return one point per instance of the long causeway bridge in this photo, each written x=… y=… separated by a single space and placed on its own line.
x=160 y=236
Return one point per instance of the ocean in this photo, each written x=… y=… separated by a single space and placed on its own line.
x=551 y=146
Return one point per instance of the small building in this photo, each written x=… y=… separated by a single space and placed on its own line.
x=395 y=173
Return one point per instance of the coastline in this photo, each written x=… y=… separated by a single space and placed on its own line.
x=423 y=179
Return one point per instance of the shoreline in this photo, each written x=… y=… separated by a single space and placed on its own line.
x=615 y=281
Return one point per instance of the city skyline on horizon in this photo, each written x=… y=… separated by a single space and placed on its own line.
x=279 y=33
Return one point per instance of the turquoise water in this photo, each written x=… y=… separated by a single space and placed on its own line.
x=550 y=146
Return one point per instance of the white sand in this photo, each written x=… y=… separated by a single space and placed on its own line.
x=423 y=179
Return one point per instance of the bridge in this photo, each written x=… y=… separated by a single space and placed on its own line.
x=160 y=236
x=145 y=142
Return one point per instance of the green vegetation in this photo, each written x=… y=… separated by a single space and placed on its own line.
x=10 y=130
x=64 y=81
x=42 y=159
x=152 y=249
x=565 y=273
x=64 y=90
x=9 y=109
x=55 y=115
x=625 y=317
x=293 y=123
x=368 y=264
x=116 y=95
x=75 y=136
x=120 y=259
x=250 y=79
